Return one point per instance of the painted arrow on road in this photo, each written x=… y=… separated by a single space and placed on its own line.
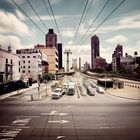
x=61 y=121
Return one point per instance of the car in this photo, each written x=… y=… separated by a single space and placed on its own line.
x=100 y=90
x=71 y=90
x=57 y=93
x=90 y=90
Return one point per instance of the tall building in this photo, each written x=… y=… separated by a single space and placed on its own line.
x=51 y=39
x=9 y=69
x=116 y=57
x=60 y=57
x=94 y=50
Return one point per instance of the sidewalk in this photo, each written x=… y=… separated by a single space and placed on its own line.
x=6 y=95
x=126 y=92
x=35 y=85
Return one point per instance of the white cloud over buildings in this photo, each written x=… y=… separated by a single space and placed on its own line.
x=117 y=39
x=11 y=24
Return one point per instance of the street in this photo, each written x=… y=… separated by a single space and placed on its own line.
x=99 y=117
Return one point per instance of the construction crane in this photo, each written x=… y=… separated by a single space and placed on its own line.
x=67 y=52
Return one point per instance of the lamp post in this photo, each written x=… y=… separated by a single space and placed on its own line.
x=105 y=78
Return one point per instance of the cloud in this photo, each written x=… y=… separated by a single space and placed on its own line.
x=82 y=51
x=20 y=15
x=14 y=42
x=117 y=39
x=46 y=18
x=55 y=2
x=129 y=21
x=17 y=1
x=67 y=33
x=70 y=42
x=12 y=24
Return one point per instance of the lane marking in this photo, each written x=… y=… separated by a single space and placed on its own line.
x=61 y=121
x=9 y=126
x=60 y=137
x=27 y=116
x=55 y=114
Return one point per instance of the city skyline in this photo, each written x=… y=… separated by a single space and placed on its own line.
x=122 y=27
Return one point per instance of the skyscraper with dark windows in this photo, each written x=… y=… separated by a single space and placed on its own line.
x=51 y=39
x=116 y=56
x=60 y=58
x=95 y=50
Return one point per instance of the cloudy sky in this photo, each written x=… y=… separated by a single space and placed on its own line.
x=122 y=27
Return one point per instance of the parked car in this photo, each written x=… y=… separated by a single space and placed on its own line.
x=100 y=90
x=57 y=93
x=90 y=90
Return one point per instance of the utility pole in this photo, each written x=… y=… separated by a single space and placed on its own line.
x=67 y=52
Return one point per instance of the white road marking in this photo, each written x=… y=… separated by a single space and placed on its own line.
x=55 y=114
x=10 y=133
x=21 y=122
x=61 y=121
x=8 y=126
x=104 y=127
x=27 y=116
x=60 y=137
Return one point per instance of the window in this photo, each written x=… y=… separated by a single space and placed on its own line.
x=23 y=66
x=28 y=56
x=19 y=70
x=29 y=61
x=19 y=63
x=23 y=61
x=11 y=61
x=29 y=71
x=34 y=56
x=28 y=66
x=23 y=71
x=23 y=56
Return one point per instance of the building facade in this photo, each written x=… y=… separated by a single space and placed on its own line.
x=52 y=57
x=116 y=57
x=74 y=64
x=51 y=39
x=31 y=63
x=9 y=65
x=60 y=56
x=100 y=62
x=95 y=50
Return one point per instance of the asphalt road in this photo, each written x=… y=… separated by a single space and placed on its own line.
x=99 y=117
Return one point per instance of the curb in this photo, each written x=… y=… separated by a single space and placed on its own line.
x=128 y=98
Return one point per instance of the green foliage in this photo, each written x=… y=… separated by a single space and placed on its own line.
x=98 y=70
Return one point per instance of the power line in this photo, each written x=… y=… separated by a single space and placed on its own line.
x=88 y=10
x=48 y=11
x=104 y=20
x=95 y=19
x=54 y=20
x=27 y=16
x=80 y=21
x=36 y=14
